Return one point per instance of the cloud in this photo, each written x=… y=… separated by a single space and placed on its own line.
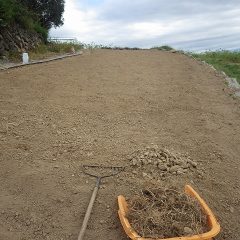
x=189 y=25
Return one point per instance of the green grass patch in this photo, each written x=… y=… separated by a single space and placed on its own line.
x=226 y=61
x=54 y=49
x=62 y=47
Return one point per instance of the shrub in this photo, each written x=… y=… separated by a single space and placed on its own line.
x=12 y=11
x=164 y=47
x=64 y=47
x=41 y=30
x=8 y=10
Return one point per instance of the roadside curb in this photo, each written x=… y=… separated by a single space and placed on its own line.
x=42 y=61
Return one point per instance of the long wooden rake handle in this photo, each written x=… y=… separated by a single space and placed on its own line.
x=117 y=170
x=89 y=210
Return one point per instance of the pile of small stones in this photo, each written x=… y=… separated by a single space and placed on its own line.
x=153 y=159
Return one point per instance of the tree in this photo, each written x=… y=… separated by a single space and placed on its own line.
x=8 y=10
x=48 y=12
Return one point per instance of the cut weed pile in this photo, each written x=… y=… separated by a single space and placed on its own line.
x=165 y=213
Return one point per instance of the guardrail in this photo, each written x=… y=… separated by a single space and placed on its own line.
x=64 y=39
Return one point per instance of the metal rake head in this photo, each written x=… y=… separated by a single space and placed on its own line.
x=99 y=171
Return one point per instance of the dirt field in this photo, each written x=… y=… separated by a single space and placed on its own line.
x=100 y=108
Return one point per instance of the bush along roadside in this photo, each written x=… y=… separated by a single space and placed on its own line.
x=47 y=50
x=164 y=48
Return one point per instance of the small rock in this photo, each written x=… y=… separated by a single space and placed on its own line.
x=194 y=164
x=54 y=225
x=162 y=167
x=231 y=209
x=144 y=162
x=185 y=166
x=155 y=163
x=144 y=174
x=60 y=200
x=134 y=162
x=89 y=154
x=178 y=162
x=152 y=155
x=101 y=221
x=174 y=169
x=146 y=153
x=134 y=172
x=28 y=222
x=188 y=231
x=176 y=225
x=180 y=171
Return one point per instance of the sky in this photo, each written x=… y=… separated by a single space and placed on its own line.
x=191 y=25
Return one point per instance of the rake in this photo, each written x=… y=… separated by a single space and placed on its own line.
x=98 y=172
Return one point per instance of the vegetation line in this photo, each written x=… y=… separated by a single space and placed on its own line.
x=226 y=61
x=42 y=61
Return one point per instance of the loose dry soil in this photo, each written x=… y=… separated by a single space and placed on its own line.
x=102 y=107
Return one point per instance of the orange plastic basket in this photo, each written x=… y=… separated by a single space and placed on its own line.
x=212 y=222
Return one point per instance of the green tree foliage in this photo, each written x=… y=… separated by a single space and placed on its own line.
x=38 y=15
x=8 y=11
x=48 y=12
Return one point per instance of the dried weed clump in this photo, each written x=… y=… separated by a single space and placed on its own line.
x=164 y=213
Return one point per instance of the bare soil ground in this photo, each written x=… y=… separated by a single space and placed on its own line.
x=100 y=108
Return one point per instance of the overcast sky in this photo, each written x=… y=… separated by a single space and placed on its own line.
x=194 y=25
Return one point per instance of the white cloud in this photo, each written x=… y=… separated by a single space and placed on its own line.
x=191 y=25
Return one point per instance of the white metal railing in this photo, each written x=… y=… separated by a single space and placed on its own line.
x=62 y=39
